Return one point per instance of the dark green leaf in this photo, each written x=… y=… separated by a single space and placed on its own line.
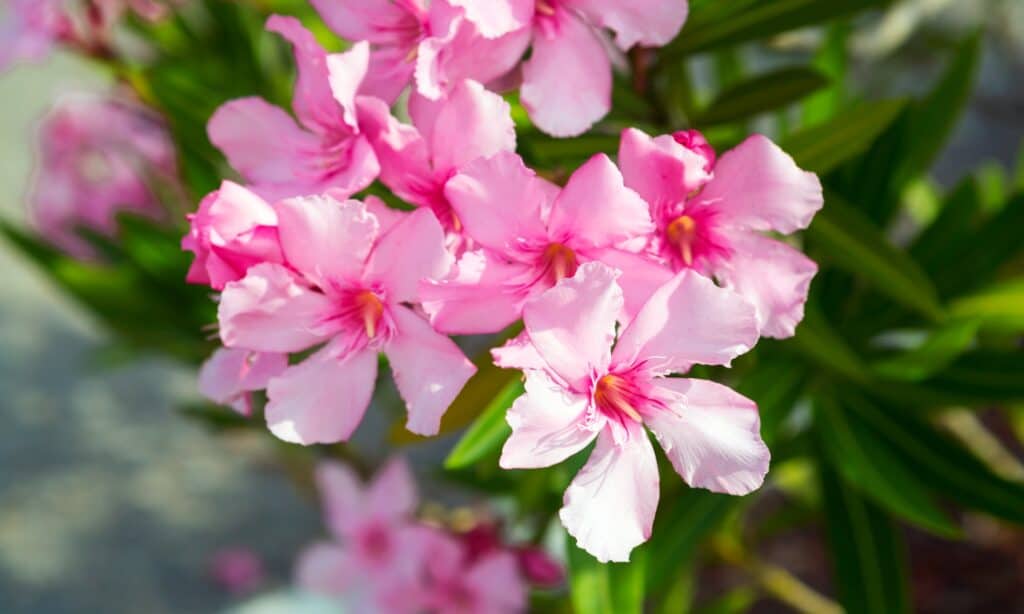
x=939 y=349
x=488 y=432
x=823 y=147
x=760 y=94
x=683 y=523
x=868 y=554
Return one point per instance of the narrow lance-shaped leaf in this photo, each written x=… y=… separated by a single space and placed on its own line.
x=487 y=434
x=823 y=147
x=760 y=94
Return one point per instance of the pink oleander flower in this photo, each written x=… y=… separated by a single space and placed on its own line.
x=531 y=234
x=580 y=388
x=429 y=40
x=567 y=81
x=31 y=28
x=377 y=551
x=230 y=376
x=535 y=565
x=232 y=230
x=710 y=216
x=98 y=157
x=328 y=151
x=417 y=161
x=457 y=583
x=346 y=283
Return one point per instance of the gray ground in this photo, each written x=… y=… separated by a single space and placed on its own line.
x=109 y=502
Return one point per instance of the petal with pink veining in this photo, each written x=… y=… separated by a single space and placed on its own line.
x=475 y=299
x=661 y=170
x=686 y=321
x=774 y=277
x=711 y=434
x=641 y=276
x=323 y=398
x=567 y=82
x=596 y=209
x=609 y=506
x=412 y=252
x=381 y=22
x=269 y=310
x=759 y=186
x=472 y=123
x=572 y=325
x=548 y=425
x=325 y=239
x=429 y=370
x=652 y=23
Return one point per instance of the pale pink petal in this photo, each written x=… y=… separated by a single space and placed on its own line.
x=641 y=276
x=342 y=497
x=567 y=82
x=499 y=201
x=652 y=23
x=774 y=277
x=325 y=239
x=660 y=169
x=382 y=22
x=688 y=320
x=391 y=496
x=313 y=102
x=270 y=311
x=596 y=209
x=498 y=586
x=572 y=325
x=389 y=73
x=496 y=17
x=759 y=186
x=475 y=299
x=609 y=506
x=458 y=51
x=711 y=434
x=387 y=217
x=346 y=72
x=549 y=424
x=519 y=353
x=429 y=370
x=412 y=252
x=261 y=141
x=326 y=569
x=472 y=123
x=323 y=398
x=401 y=149
x=229 y=374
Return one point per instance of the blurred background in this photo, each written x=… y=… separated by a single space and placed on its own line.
x=111 y=502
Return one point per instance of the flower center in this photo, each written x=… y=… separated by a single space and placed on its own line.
x=559 y=262
x=94 y=167
x=370 y=311
x=682 y=233
x=614 y=396
x=544 y=7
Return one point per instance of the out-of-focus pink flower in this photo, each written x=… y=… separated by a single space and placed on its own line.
x=230 y=376
x=347 y=284
x=578 y=389
x=431 y=41
x=232 y=230
x=417 y=161
x=532 y=234
x=31 y=28
x=328 y=151
x=710 y=216
x=377 y=552
x=97 y=157
x=457 y=584
x=535 y=565
x=239 y=570
x=567 y=81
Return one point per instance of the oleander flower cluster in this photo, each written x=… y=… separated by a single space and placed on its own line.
x=624 y=276
x=381 y=558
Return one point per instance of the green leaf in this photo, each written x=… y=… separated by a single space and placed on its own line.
x=937 y=352
x=851 y=242
x=683 y=523
x=982 y=377
x=819 y=341
x=874 y=468
x=991 y=247
x=488 y=432
x=1000 y=307
x=940 y=462
x=775 y=386
x=598 y=588
x=719 y=24
x=761 y=94
x=832 y=60
x=954 y=228
x=868 y=554
x=823 y=147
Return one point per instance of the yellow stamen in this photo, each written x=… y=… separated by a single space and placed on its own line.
x=544 y=8
x=371 y=310
x=611 y=393
x=681 y=233
x=411 y=56
x=560 y=261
